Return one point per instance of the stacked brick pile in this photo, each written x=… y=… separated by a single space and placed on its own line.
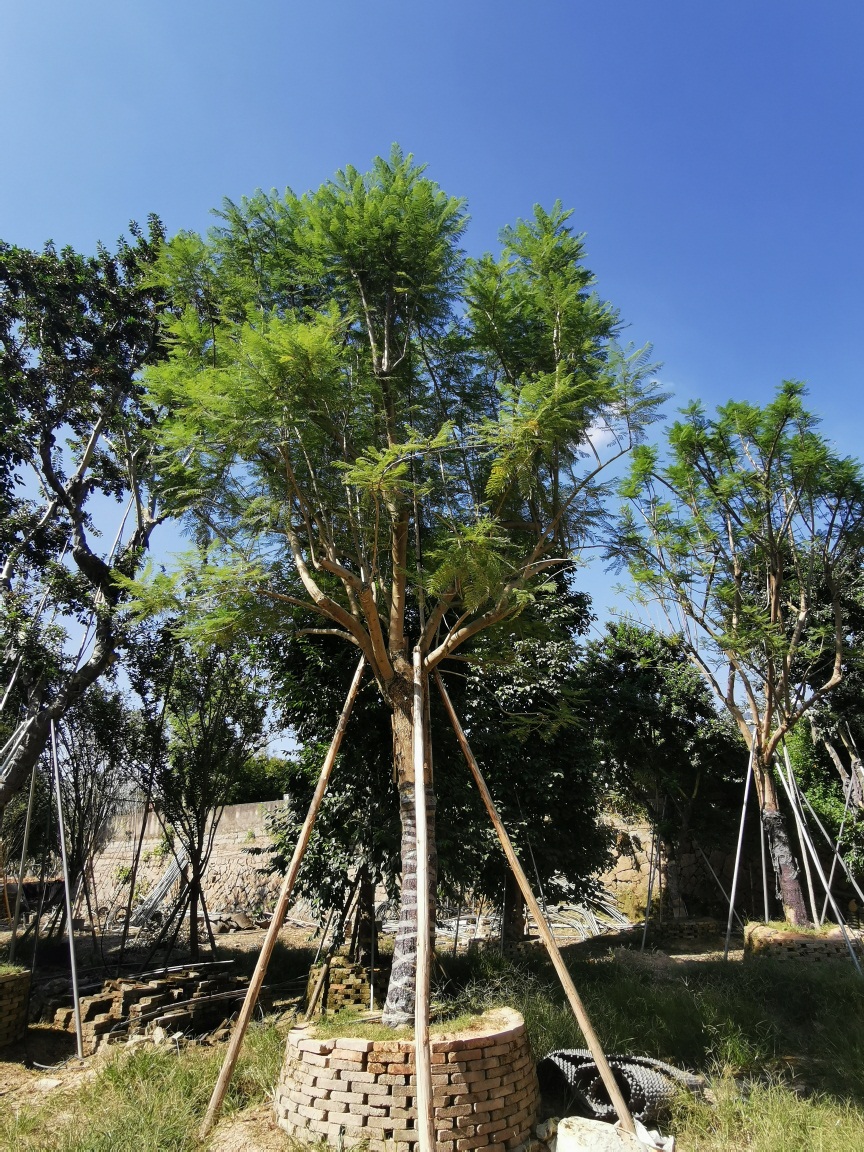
x=191 y=1002
x=14 y=987
x=355 y=1091
x=760 y=940
x=346 y=986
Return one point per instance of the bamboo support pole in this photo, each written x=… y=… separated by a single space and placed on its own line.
x=76 y=1004
x=422 y=1052
x=591 y=1038
x=224 y=1079
x=738 y=849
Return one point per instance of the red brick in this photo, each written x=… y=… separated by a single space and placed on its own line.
x=312 y=1113
x=454 y=1110
x=316 y=1047
x=343 y=1064
x=355 y=1044
x=468 y=1142
x=349 y=1097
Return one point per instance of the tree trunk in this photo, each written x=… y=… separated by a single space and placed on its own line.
x=194 y=889
x=513 y=925
x=399 y=1006
x=673 y=881
x=785 y=868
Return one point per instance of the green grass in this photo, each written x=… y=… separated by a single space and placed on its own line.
x=348 y=1022
x=766 y=1118
x=146 y=1100
x=11 y=969
x=782 y=1045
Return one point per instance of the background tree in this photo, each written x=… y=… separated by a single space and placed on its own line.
x=98 y=744
x=74 y=334
x=215 y=718
x=748 y=537
x=347 y=396
x=664 y=749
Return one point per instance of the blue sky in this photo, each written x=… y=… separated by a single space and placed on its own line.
x=713 y=152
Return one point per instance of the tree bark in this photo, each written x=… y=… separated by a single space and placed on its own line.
x=193 y=922
x=399 y=1005
x=785 y=867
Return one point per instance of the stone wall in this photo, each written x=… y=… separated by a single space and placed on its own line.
x=233 y=881
x=484 y=1085
x=686 y=886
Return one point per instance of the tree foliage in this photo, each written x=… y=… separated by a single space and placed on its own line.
x=75 y=332
x=748 y=537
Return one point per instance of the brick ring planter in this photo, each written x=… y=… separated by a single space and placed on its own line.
x=14 y=990
x=358 y=1091
x=760 y=940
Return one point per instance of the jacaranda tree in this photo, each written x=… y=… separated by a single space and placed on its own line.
x=749 y=535
x=395 y=444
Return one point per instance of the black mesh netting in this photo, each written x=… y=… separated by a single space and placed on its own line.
x=570 y=1085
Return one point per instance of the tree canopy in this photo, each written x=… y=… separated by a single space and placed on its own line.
x=397 y=444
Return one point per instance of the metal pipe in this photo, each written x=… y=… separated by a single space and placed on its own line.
x=422 y=1051
x=17 y=915
x=76 y=1006
x=738 y=851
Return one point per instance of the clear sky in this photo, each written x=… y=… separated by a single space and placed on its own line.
x=713 y=152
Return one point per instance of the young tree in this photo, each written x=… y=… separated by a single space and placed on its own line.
x=400 y=445
x=215 y=709
x=748 y=537
x=96 y=750
x=74 y=334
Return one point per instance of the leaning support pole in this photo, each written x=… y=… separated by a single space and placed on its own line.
x=221 y=1086
x=764 y=866
x=591 y=1038
x=422 y=1053
x=76 y=1004
x=738 y=851
x=790 y=787
x=17 y=916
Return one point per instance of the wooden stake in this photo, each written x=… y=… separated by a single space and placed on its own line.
x=221 y=1086
x=422 y=1053
x=591 y=1038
